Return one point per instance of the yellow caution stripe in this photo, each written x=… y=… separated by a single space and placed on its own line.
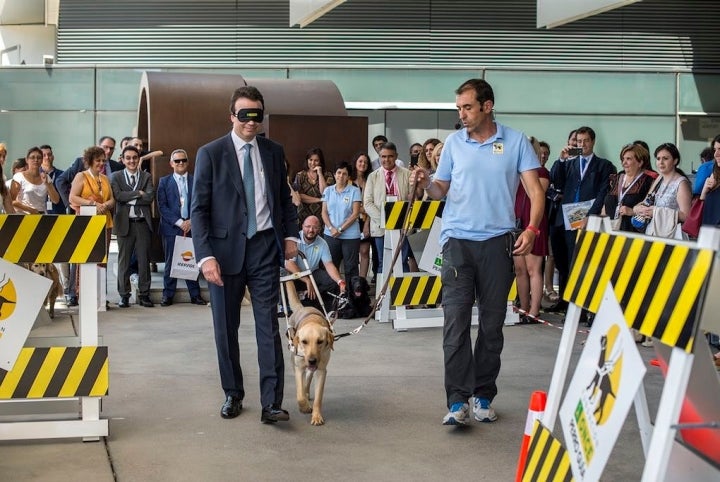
x=547 y=459
x=52 y=238
x=422 y=215
x=659 y=286
x=57 y=372
x=415 y=290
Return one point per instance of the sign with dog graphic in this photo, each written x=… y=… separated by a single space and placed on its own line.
x=22 y=293
x=608 y=376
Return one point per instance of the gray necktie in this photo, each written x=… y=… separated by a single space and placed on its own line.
x=184 y=201
x=249 y=186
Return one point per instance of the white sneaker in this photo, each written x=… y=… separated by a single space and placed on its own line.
x=459 y=414
x=482 y=410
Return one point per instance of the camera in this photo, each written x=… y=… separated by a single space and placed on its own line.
x=553 y=195
x=575 y=151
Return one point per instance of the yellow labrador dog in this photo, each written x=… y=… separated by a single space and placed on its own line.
x=312 y=341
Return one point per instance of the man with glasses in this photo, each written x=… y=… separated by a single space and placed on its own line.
x=244 y=227
x=174 y=195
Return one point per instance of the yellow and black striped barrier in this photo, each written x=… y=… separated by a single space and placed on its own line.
x=48 y=238
x=659 y=286
x=547 y=459
x=422 y=215
x=57 y=372
x=415 y=290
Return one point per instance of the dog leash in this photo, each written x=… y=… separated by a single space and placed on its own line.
x=383 y=291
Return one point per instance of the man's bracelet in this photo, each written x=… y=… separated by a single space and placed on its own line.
x=341 y=282
x=533 y=229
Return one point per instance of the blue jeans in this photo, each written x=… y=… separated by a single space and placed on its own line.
x=482 y=271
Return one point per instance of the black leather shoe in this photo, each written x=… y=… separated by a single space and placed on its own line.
x=232 y=407
x=145 y=301
x=124 y=302
x=166 y=302
x=198 y=300
x=274 y=414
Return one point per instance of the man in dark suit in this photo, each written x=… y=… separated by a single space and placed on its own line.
x=580 y=178
x=133 y=191
x=244 y=223
x=173 y=195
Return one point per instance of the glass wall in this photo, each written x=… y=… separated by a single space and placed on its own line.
x=70 y=108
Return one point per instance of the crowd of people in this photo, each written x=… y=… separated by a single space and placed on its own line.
x=333 y=216
x=121 y=190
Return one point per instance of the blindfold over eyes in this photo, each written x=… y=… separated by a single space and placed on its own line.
x=246 y=115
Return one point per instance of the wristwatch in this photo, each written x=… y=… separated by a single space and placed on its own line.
x=340 y=230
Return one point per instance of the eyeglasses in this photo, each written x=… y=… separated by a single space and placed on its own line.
x=179 y=161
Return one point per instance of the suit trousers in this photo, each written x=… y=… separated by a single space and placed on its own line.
x=261 y=275
x=170 y=284
x=137 y=240
x=482 y=271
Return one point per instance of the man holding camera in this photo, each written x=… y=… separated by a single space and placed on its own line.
x=581 y=176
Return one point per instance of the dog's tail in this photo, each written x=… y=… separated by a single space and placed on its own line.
x=293 y=298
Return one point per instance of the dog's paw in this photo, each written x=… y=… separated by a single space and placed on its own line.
x=317 y=419
x=304 y=406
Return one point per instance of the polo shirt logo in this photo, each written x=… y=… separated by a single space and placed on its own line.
x=498 y=148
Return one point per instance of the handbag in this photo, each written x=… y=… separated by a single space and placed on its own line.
x=183 y=264
x=693 y=220
x=641 y=222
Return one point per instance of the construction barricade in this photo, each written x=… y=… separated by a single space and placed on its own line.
x=666 y=289
x=54 y=386
x=413 y=299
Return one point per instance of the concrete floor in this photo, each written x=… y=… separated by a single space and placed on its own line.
x=384 y=402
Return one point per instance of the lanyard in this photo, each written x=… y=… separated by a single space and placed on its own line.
x=390 y=183
x=622 y=192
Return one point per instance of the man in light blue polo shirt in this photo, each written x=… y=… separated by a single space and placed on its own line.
x=479 y=173
x=316 y=251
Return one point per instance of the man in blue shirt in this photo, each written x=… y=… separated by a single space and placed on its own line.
x=316 y=251
x=479 y=173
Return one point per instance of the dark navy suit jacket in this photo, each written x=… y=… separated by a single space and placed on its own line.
x=594 y=185
x=218 y=210
x=168 y=198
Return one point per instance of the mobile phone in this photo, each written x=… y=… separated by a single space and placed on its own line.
x=575 y=151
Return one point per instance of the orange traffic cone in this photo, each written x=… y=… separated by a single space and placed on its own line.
x=535 y=412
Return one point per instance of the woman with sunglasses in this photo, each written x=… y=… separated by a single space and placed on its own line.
x=31 y=188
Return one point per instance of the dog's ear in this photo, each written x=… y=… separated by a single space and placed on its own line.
x=330 y=339
x=295 y=341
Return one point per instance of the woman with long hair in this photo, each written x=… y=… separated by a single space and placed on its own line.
x=363 y=167
x=32 y=187
x=710 y=193
x=6 y=205
x=426 y=153
x=311 y=183
x=668 y=201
